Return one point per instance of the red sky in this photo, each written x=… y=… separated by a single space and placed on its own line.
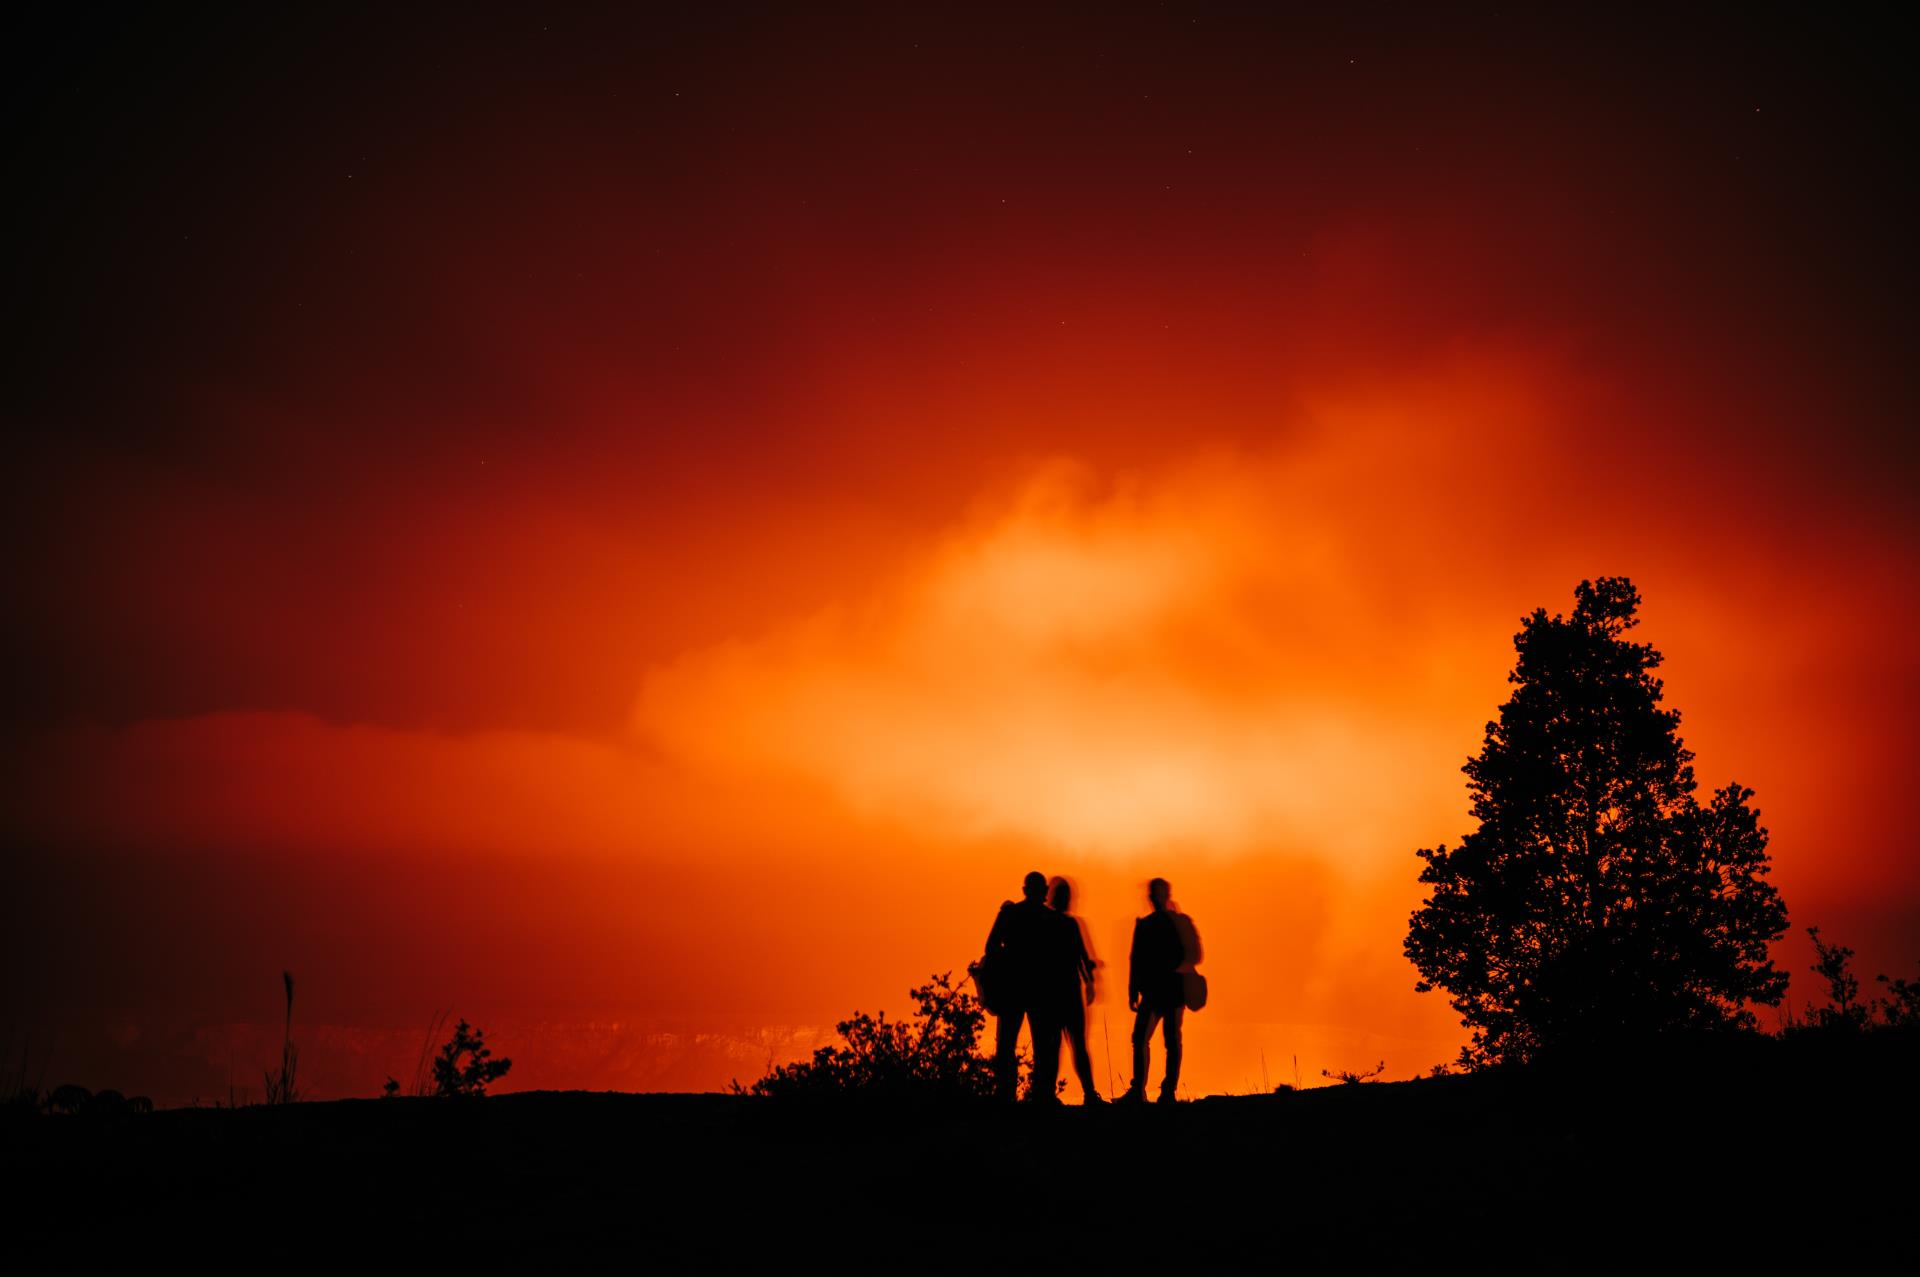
x=644 y=530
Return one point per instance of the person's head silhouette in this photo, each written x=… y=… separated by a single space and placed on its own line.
x=1060 y=895
x=1159 y=892
x=1035 y=887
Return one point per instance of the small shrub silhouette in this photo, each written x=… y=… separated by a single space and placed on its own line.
x=1845 y=1012
x=936 y=1057
x=69 y=1099
x=1347 y=1077
x=453 y=1079
x=1901 y=1007
x=77 y=1101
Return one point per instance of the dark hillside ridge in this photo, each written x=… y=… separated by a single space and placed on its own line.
x=1746 y=1147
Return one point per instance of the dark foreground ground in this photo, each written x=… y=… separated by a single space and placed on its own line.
x=1765 y=1154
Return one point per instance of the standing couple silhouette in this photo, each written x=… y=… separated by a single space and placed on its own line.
x=1038 y=970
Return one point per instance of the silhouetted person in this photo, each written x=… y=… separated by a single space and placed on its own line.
x=1165 y=946
x=1021 y=948
x=1071 y=975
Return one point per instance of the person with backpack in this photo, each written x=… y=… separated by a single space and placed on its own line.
x=1161 y=985
x=1014 y=986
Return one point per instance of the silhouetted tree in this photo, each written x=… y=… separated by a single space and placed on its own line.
x=1901 y=1007
x=937 y=1057
x=453 y=1079
x=1598 y=899
x=1844 y=1009
x=1845 y=1012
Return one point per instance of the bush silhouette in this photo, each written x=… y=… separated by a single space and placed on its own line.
x=1844 y=1012
x=1901 y=1006
x=1354 y=1077
x=70 y=1099
x=1598 y=899
x=936 y=1057
x=456 y=1080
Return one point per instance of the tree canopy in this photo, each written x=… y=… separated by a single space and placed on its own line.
x=1599 y=899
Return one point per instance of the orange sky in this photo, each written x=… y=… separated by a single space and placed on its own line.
x=651 y=556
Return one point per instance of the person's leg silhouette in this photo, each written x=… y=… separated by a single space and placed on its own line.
x=1170 y=1033
x=1006 y=1065
x=1144 y=1021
